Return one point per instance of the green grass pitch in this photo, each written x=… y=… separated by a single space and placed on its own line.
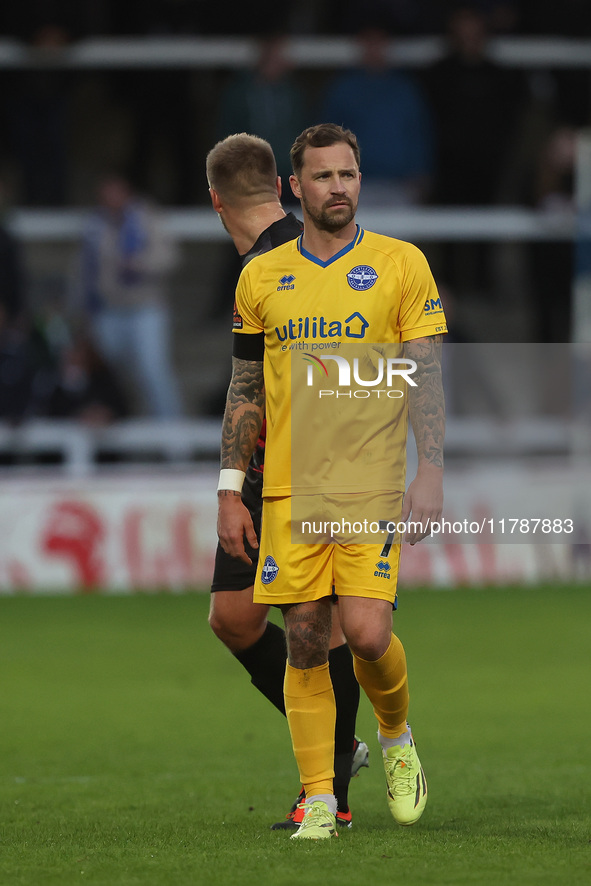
x=133 y=749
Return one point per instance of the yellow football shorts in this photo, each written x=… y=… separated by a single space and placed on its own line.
x=312 y=544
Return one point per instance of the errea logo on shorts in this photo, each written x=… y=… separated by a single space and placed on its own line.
x=383 y=569
x=361 y=278
x=269 y=571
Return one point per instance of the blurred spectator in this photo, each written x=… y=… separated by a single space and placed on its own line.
x=36 y=110
x=15 y=367
x=86 y=388
x=162 y=115
x=386 y=110
x=552 y=263
x=126 y=258
x=553 y=186
x=12 y=298
x=466 y=378
x=476 y=105
x=25 y=361
x=26 y=372
x=267 y=102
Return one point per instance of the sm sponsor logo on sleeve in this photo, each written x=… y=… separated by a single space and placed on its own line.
x=433 y=306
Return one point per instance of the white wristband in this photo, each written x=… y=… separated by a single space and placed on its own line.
x=231 y=479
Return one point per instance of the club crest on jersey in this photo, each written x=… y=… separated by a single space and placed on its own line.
x=286 y=282
x=362 y=277
x=269 y=571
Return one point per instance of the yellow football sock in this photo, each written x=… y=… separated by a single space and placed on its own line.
x=311 y=714
x=385 y=683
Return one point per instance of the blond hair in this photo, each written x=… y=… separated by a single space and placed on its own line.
x=242 y=168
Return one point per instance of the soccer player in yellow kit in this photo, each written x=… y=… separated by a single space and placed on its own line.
x=353 y=297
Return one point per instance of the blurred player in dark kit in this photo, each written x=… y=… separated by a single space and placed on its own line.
x=245 y=192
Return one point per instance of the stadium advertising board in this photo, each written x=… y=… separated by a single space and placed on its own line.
x=126 y=534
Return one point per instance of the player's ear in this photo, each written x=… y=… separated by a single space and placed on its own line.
x=279 y=186
x=295 y=186
x=215 y=200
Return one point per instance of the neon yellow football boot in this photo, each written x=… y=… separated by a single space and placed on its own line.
x=407 y=786
x=318 y=822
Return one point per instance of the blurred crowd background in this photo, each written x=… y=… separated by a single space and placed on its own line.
x=127 y=320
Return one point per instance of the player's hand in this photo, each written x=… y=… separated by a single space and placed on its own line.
x=234 y=523
x=423 y=502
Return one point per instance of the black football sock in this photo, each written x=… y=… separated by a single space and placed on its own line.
x=265 y=662
x=346 y=692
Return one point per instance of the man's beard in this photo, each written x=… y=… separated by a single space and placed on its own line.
x=331 y=222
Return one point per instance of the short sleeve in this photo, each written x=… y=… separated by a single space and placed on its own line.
x=421 y=309
x=245 y=319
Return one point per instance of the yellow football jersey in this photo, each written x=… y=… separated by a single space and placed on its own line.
x=336 y=381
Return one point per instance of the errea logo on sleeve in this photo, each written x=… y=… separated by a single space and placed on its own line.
x=433 y=306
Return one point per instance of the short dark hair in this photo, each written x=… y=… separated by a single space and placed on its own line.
x=242 y=166
x=323 y=135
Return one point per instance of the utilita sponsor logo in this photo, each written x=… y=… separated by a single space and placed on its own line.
x=353 y=326
x=388 y=370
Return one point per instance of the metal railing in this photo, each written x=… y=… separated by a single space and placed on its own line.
x=307 y=52
x=78 y=448
x=438 y=223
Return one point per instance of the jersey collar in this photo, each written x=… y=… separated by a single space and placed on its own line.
x=324 y=264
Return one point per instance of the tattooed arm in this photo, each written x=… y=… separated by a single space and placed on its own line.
x=424 y=497
x=243 y=417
